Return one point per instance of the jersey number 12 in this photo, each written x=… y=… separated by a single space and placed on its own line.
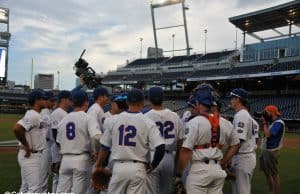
x=126 y=134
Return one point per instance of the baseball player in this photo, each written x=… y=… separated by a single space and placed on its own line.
x=207 y=133
x=171 y=128
x=29 y=131
x=243 y=163
x=46 y=156
x=64 y=103
x=101 y=97
x=77 y=134
x=129 y=135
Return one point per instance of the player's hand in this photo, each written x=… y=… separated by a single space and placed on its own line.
x=28 y=152
x=94 y=156
x=178 y=185
x=223 y=164
x=82 y=80
x=149 y=169
x=55 y=167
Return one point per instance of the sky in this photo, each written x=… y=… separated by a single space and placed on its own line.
x=54 y=33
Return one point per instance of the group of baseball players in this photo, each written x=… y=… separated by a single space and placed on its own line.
x=142 y=150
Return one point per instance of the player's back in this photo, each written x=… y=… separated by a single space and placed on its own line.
x=131 y=135
x=169 y=125
x=73 y=133
x=242 y=123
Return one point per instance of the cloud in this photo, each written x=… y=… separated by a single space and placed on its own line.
x=55 y=32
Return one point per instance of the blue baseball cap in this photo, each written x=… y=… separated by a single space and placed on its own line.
x=36 y=94
x=205 y=97
x=64 y=94
x=240 y=93
x=156 y=94
x=135 y=96
x=100 y=91
x=119 y=98
x=192 y=101
x=48 y=95
x=79 y=97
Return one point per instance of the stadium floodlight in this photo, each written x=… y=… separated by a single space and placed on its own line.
x=162 y=3
x=3 y=15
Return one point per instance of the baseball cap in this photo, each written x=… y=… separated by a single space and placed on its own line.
x=100 y=91
x=192 y=101
x=34 y=95
x=119 y=98
x=239 y=92
x=48 y=95
x=64 y=94
x=79 y=97
x=135 y=96
x=204 y=97
x=272 y=109
x=156 y=94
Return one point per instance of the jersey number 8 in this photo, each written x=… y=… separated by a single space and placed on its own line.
x=70 y=131
x=126 y=134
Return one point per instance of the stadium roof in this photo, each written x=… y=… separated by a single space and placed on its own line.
x=270 y=18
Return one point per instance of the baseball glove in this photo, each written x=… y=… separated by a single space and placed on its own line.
x=100 y=179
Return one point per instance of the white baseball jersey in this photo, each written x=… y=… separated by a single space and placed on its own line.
x=186 y=115
x=130 y=136
x=45 y=114
x=32 y=122
x=56 y=116
x=199 y=133
x=255 y=128
x=242 y=124
x=75 y=132
x=97 y=112
x=170 y=126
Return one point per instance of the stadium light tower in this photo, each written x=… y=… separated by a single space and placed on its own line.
x=205 y=39
x=173 y=39
x=4 y=44
x=141 y=48
x=154 y=4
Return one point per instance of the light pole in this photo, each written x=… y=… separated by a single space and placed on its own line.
x=58 y=80
x=141 y=49
x=205 y=38
x=173 y=39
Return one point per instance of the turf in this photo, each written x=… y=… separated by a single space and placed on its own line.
x=7 y=122
x=288 y=166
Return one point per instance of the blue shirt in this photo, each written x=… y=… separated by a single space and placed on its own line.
x=276 y=134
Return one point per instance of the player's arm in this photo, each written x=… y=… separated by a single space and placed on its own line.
x=158 y=142
x=179 y=142
x=103 y=154
x=95 y=134
x=240 y=128
x=19 y=132
x=187 y=147
x=233 y=143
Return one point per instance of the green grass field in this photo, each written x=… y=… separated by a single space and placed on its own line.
x=289 y=165
x=7 y=122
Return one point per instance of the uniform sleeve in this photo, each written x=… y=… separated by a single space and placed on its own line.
x=106 y=138
x=93 y=127
x=240 y=126
x=192 y=133
x=154 y=135
x=181 y=128
x=276 y=128
x=60 y=130
x=29 y=121
x=233 y=138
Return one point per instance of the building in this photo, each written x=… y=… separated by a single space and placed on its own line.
x=44 y=81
